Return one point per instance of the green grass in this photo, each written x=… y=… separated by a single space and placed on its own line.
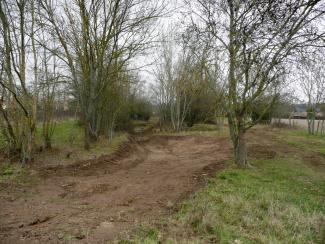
x=141 y=125
x=145 y=235
x=12 y=172
x=279 y=201
x=13 y=175
x=208 y=130
x=305 y=141
x=202 y=127
x=68 y=138
x=107 y=147
x=65 y=132
x=68 y=132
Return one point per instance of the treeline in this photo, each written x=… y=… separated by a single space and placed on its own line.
x=237 y=58
x=83 y=48
x=232 y=59
x=188 y=86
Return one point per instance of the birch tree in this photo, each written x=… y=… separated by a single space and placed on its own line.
x=312 y=83
x=17 y=21
x=179 y=79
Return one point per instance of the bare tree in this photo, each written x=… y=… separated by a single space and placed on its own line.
x=257 y=38
x=180 y=77
x=18 y=26
x=312 y=83
x=98 y=38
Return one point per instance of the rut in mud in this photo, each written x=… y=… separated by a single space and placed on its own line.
x=103 y=199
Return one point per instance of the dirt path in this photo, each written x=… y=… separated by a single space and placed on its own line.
x=97 y=201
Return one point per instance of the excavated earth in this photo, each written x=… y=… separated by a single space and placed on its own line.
x=104 y=199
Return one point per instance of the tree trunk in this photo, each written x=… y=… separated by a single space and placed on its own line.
x=87 y=137
x=235 y=113
x=111 y=129
x=309 y=125
x=240 y=150
x=237 y=135
x=90 y=132
x=48 y=143
x=318 y=124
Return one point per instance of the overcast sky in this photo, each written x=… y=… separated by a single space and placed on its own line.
x=173 y=20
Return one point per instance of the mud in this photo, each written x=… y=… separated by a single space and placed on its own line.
x=101 y=200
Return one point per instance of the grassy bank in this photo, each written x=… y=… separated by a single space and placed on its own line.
x=208 y=130
x=67 y=148
x=66 y=132
x=305 y=141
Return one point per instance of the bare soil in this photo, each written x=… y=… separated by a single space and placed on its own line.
x=101 y=200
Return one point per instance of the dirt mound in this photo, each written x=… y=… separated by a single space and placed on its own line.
x=261 y=152
x=102 y=165
x=98 y=200
x=317 y=160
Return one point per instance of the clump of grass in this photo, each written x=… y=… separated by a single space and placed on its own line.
x=203 y=127
x=118 y=140
x=103 y=146
x=144 y=236
x=12 y=172
x=280 y=201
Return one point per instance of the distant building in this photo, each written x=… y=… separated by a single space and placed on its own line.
x=300 y=112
